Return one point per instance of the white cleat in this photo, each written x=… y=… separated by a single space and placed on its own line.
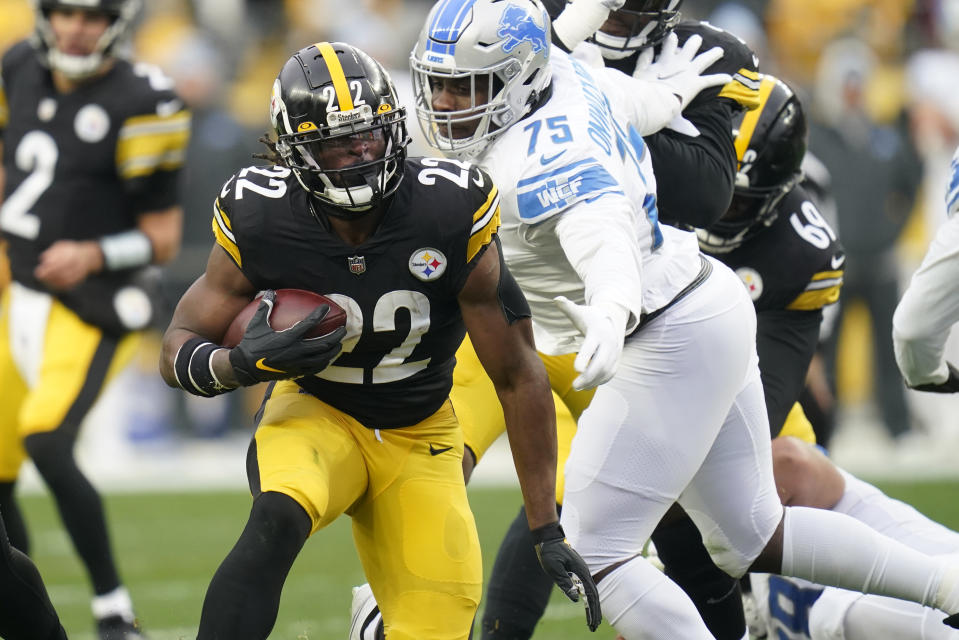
x=365 y=616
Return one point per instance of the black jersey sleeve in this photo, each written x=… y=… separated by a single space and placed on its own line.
x=475 y=217
x=785 y=341
x=237 y=218
x=695 y=175
x=13 y=59
x=739 y=61
x=152 y=141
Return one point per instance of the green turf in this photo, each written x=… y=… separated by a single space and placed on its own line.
x=169 y=545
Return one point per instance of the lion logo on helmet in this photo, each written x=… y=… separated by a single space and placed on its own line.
x=518 y=26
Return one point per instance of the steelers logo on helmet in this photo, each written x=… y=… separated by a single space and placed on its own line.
x=112 y=43
x=339 y=127
x=637 y=25
x=427 y=264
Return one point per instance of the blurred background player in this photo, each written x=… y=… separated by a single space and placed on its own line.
x=92 y=147
x=409 y=248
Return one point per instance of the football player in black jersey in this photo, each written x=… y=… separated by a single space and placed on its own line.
x=27 y=613
x=359 y=421
x=694 y=160
x=92 y=146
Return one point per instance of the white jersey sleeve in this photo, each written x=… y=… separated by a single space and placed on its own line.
x=578 y=209
x=952 y=193
x=928 y=309
x=647 y=106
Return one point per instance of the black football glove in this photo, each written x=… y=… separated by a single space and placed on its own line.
x=951 y=385
x=264 y=354
x=561 y=563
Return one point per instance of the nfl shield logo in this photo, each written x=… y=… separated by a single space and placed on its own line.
x=357 y=264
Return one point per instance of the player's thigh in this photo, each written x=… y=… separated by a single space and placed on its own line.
x=561 y=374
x=14 y=391
x=648 y=430
x=415 y=532
x=67 y=362
x=307 y=450
x=475 y=401
x=732 y=498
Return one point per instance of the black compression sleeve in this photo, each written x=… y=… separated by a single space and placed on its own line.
x=786 y=341
x=694 y=175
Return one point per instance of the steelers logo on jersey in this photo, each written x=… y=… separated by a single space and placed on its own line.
x=92 y=123
x=752 y=280
x=427 y=264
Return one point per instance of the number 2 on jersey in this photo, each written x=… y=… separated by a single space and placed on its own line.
x=38 y=154
x=392 y=366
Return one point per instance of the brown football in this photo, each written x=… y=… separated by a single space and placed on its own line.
x=290 y=306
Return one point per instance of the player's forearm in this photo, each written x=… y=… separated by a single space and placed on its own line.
x=531 y=428
x=164 y=229
x=928 y=309
x=609 y=263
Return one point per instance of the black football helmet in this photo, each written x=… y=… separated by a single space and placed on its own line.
x=327 y=94
x=640 y=24
x=770 y=144
x=122 y=14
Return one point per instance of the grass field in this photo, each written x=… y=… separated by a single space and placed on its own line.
x=169 y=545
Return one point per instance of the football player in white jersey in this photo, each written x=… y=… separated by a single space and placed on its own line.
x=791 y=609
x=930 y=306
x=668 y=335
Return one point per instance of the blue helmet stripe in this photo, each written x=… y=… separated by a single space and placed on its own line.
x=447 y=25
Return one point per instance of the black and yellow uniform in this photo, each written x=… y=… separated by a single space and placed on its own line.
x=78 y=166
x=792 y=269
x=707 y=160
x=374 y=435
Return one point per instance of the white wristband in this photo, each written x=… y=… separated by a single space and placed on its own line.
x=126 y=250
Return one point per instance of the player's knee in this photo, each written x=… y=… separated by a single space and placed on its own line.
x=431 y=614
x=280 y=519
x=792 y=463
x=50 y=451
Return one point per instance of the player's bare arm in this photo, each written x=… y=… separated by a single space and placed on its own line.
x=508 y=354
x=67 y=263
x=205 y=311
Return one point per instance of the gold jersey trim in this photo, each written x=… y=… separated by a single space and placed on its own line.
x=743 y=88
x=485 y=224
x=150 y=143
x=223 y=232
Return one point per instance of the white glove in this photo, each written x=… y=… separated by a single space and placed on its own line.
x=680 y=68
x=582 y=18
x=604 y=331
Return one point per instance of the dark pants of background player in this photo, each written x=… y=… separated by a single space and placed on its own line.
x=519 y=590
x=26 y=613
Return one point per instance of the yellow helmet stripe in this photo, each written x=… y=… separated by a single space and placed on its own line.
x=336 y=73
x=748 y=126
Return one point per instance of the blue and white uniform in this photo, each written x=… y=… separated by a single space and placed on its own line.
x=930 y=305
x=578 y=212
x=794 y=609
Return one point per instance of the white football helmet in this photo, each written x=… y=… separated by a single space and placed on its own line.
x=496 y=44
